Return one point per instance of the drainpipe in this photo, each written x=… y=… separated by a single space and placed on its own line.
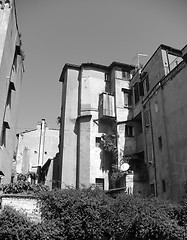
x=156 y=187
x=41 y=148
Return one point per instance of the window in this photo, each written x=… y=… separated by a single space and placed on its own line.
x=147 y=82
x=160 y=143
x=17 y=52
x=147 y=118
x=163 y=185
x=8 y=102
x=129 y=131
x=150 y=155
x=145 y=79
x=107 y=77
x=127 y=97
x=9 y=95
x=136 y=93
x=141 y=89
x=97 y=141
x=126 y=75
x=3 y=133
x=100 y=183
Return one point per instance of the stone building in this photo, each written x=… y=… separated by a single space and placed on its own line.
x=95 y=103
x=11 y=70
x=159 y=114
x=35 y=152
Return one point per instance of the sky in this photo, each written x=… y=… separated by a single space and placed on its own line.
x=56 y=32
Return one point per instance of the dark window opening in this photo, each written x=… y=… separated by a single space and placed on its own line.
x=107 y=77
x=97 y=141
x=160 y=142
x=18 y=50
x=8 y=102
x=163 y=185
x=136 y=93
x=127 y=97
x=147 y=118
x=147 y=82
x=3 y=134
x=129 y=131
x=100 y=183
x=9 y=95
x=141 y=89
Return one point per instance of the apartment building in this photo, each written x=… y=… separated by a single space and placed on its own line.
x=159 y=113
x=11 y=70
x=95 y=102
x=35 y=152
x=146 y=109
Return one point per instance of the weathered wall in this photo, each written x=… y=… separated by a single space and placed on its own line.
x=92 y=85
x=28 y=148
x=175 y=105
x=25 y=204
x=10 y=70
x=68 y=146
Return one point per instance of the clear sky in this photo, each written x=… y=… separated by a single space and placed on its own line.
x=55 y=32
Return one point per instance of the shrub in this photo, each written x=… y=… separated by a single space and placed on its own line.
x=14 y=225
x=23 y=186
x=90 y=214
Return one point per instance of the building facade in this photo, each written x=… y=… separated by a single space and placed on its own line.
x=144 y=109
x=35 y=152
x=95 y=103
x=159 y=113
x=11 y=70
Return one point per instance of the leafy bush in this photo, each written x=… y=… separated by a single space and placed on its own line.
x=148 y=219
x=91 y=214
x=23 y=186
x=14 y=225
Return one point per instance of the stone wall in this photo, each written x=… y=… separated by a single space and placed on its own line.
x=23 y=203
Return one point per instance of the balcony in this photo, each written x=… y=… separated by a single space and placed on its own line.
x=106 y=106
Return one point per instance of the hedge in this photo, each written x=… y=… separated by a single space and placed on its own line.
x=89 y=214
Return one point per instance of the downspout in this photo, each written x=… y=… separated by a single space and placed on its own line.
x=166 y=135
x=116 y=121
x=41 y=148
x=156 y=188
x=78 y=133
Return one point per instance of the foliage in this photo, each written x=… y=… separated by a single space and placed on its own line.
x=109 y=144
x=23 y=186
x=115 y=178
x=14 y=225
x=91 y=214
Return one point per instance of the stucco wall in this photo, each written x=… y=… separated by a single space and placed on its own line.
x=9 y=37
x=68 y=150
x=24 y=204
x=175 y=104
x=28 y=148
